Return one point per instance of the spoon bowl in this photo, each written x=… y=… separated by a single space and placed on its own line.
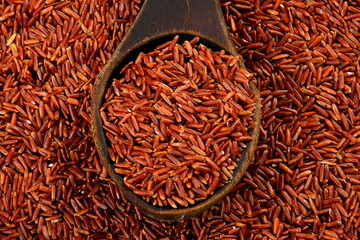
x=157 y=22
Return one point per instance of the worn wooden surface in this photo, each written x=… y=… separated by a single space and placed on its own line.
x=157 y=20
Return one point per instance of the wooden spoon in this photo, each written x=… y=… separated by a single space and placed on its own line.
x=158 y=21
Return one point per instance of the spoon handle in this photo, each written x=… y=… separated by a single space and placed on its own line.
x=159 y=18
x=199 y=17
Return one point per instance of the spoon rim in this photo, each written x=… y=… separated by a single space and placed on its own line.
x=157 y=212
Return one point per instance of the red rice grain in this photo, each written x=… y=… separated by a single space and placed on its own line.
x=155 y=111
x=47 y=72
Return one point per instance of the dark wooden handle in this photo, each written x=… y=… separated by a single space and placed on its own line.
x=200 y=17
x=159 y=18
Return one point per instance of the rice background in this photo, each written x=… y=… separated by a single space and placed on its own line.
x=304 y=183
